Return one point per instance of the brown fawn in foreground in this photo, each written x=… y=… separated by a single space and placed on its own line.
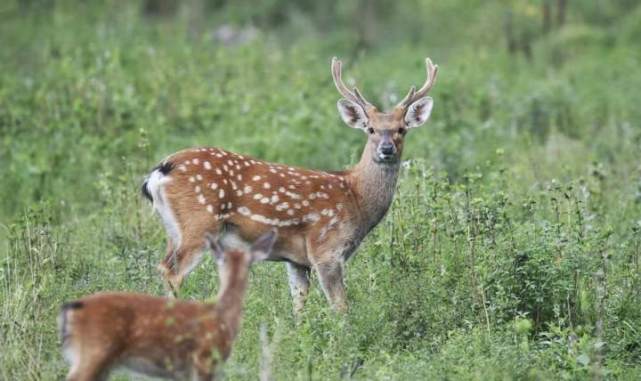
x=160 y=337
x=322 y=216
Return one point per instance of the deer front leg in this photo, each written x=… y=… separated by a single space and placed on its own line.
x=298 y=285
x=330 y=275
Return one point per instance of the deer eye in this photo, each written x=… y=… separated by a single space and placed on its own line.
x=370 y=130
x=402 y=130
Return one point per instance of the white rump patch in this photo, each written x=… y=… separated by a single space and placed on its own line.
x=155 y=185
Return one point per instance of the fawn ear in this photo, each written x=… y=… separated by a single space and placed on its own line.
x=418 y=112
x=214 y=246
x=352 y=114
x=262 y=247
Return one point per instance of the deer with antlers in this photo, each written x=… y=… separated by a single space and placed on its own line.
x=322 y=216
x=160 y=337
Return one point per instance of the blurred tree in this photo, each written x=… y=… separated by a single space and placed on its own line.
x=547 y=16
x=159 y=8
x=561 y=6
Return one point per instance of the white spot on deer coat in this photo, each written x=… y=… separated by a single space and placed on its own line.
x=294 y=196
x=311 y=217
x=207 y=165
x=282 y=206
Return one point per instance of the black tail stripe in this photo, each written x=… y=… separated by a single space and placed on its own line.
x=145 y=191
x=63 y=323
x=164 y=168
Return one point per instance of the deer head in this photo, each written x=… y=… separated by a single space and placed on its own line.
x=385 y=130
x=236 y=263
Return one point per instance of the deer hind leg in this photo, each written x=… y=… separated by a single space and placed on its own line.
x=181 y=260
x=90 y=367
x=330 y=275
x=298 y=285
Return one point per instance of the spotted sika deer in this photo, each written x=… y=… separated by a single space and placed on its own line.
x=160 y=337
x=322 y=216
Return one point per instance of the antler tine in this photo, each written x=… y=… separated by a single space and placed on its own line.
x=354 y=96
x=432 y=71
x=362 y=99
x=412 y=95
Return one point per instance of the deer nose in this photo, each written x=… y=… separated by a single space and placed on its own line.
x=388 y=149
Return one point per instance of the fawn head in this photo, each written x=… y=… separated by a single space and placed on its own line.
x=386 y=130
x=235 y=263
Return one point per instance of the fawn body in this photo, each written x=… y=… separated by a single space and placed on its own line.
x=160 y=337
x=322 y=216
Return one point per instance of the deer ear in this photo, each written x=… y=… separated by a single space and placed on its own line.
x=418 y=112
x=212 y=243
x=262 y=247
x=352 y=114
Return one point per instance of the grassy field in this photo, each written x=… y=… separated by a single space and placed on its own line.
x=512 y=249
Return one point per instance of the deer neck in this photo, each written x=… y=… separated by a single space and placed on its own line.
x=229 y=305
x=374 y=185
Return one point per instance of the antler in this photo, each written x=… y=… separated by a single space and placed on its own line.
x=413 y=95
x=354 y=96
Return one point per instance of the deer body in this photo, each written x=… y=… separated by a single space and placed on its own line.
x=160 y=337
x=322 y=216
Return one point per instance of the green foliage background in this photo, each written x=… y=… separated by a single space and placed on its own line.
x=512 y=248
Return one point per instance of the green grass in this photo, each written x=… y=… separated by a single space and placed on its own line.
x=512 y=249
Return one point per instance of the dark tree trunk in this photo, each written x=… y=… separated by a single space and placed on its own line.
x=366 y=22
x=561 y=6
x=508 y=28
x=547 y=16
x=159 y=8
